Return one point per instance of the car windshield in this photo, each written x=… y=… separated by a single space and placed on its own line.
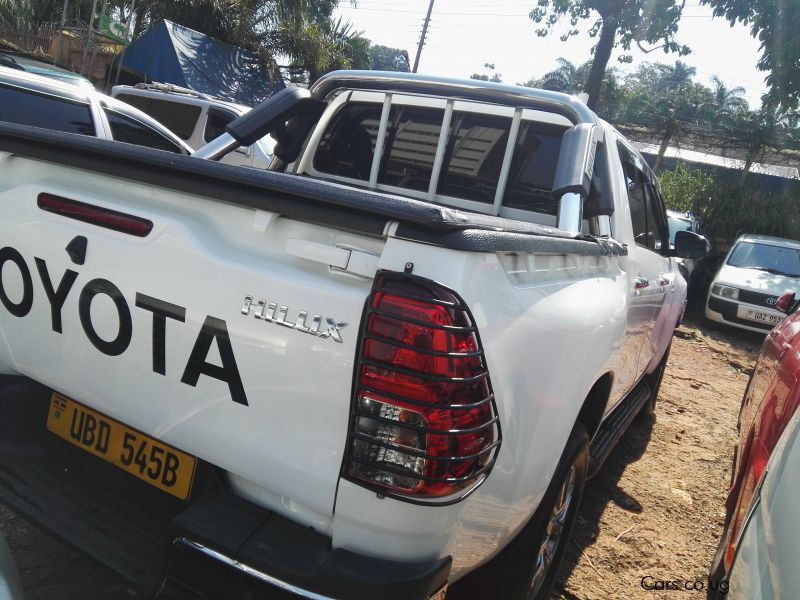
x=778 y=260
x=676 y=225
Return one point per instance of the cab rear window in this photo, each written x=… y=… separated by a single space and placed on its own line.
x=412 y=136
x=533 y=168
x=40 y=110
x=347 y=147
x=472 y=158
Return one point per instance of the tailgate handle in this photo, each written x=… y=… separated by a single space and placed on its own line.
x=339 y=258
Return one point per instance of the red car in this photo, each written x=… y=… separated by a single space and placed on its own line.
x=770 y=401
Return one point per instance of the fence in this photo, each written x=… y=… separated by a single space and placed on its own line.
x=34 y=42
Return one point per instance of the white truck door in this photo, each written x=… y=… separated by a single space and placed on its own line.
x=653 y=279
x=645 y=265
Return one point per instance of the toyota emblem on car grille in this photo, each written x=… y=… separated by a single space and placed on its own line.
x=772 y=300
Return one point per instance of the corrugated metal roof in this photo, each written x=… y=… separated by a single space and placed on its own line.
x=715 y=160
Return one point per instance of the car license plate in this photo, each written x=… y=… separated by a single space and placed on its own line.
x=152 y=461
x=755 y=315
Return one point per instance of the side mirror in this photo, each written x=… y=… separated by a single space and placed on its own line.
x=691 y=245
x=785 y=303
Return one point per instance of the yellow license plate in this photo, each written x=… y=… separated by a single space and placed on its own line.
x=150 y=460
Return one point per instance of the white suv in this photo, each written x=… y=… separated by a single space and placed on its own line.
x=196 y=118
x=38 y=101
x=757 y=270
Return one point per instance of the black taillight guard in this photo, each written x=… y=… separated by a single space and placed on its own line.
x=383 y=449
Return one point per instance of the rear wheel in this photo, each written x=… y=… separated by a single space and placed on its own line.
x=527 y=568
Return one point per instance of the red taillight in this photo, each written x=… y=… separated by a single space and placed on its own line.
x=96 y=215
x=424 y=424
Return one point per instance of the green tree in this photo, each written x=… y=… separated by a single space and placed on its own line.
x=613 y=22
x=776 y=23
x=754 y=132
x=686 y=189
x=489 y=75
x=728 y=100
x=317 y=48
x=570 y=78
x=385 y=58
x=25 y=16
x=665 y=100
x=566 y=77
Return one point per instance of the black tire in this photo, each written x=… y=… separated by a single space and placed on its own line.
x=510 y=575
x=654 y=381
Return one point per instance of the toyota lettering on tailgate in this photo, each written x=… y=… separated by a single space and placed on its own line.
x=213 y=330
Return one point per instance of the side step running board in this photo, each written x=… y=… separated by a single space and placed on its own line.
x=615 y=425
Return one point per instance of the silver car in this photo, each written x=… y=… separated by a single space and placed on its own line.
x=39 y=101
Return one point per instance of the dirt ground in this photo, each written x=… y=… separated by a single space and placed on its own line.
x=655 y=510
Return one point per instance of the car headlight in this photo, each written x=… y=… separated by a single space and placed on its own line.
x=725 y=291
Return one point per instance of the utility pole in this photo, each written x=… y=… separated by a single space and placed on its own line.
x=99 y=28
x=57 y=53
x=128 y=36
x=422 y=37
x=89 y=34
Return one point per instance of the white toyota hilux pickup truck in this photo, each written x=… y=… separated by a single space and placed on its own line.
x=382 y=369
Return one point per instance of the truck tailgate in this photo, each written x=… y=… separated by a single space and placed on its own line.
x=205 y=333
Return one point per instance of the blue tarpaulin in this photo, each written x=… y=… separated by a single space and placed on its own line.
x=172 y=53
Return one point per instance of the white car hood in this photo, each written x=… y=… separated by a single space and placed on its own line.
x=757 y=280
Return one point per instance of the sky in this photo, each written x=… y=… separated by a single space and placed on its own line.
x=464 y=34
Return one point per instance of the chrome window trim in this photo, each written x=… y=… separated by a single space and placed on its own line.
x=441 y=146
x=31 y=88
x=511 y=144
x=378 y=154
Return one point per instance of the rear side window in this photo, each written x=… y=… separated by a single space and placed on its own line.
x=646 y=210
x=474 y=156
x=348 y=145
x=48 y=112
x=533 y=168
x=412 y=136
x=178 y=117
x=637 y=201
x=131 y=131
x=216 y=122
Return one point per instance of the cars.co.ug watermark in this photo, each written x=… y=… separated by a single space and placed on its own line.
x=650 y=583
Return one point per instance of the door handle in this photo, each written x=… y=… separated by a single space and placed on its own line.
x=639 y=283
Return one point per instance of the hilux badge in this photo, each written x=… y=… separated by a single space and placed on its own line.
x=273 y=313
